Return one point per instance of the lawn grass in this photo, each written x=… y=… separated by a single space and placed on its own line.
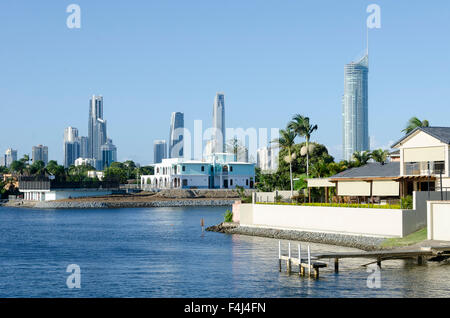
x=411 y=239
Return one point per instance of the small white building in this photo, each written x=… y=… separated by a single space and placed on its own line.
x=218 y=171
x=44 y=189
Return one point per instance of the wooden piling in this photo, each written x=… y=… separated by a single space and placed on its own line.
x=288 y=262
x=299 y=259
x=316 y=272
x=420 y=260
x=279 y=255
x=336 y=265
x=309 y=261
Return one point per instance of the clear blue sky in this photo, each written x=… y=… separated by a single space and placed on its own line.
x=271 y=58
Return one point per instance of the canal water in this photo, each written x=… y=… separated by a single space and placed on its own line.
x=161 y=252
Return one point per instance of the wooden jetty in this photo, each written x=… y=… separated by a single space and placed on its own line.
x=313 y=264
x=302 y=264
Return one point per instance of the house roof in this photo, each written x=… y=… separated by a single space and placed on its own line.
x=371 y=170
x=440 y=133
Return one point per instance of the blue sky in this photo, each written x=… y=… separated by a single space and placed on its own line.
x=271 y=58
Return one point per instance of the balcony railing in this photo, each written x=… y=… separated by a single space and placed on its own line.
x=424 y=168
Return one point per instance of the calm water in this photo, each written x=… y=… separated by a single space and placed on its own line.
x=160 y=252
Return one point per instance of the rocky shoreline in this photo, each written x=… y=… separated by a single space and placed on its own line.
x=354 y=241
x=124 y=204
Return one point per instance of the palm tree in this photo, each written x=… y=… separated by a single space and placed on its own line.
x=413 y=123
x=379 y=155
x=286 y=141
x=301 y=126
x=361 y=157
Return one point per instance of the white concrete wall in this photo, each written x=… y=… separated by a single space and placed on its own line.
x=355 y=221
x=439 y=220
x=65 y=194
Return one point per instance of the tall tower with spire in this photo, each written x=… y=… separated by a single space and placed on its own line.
x=355 y=107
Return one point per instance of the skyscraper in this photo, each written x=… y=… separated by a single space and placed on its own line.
x=96 y=127
x=267 y=159
x=355 y=107
x=71 y=146
x=108 y=154
x=40 y=153
x=219 y=123
x=10 y=156
x=176 y=142
x=159 y=151
x=84 y=147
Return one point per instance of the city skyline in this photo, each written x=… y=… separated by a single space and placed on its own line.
x=300 y=72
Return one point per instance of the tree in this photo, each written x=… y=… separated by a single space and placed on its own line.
x=146 y=170
x=413 y=123
x=17 y=166
x=25 y=159
x=379 y=155
x=115 y=173
x=361 y=158
x=56 y=170
x=302 y=127
x=37 y=168
x=286 y=141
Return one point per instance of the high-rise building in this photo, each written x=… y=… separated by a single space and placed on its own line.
x=84 y=147
x=71 y=153
x=10 y=156
x=219 y=123
x=40 y=153
x=267 y=159
x=96 y=127
x=70 y=134
x=355 y=108
x=109 y=154
x=159 y=151
x=176 y=142
x=71 y=146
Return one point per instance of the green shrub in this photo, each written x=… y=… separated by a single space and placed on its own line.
x=228 y=216
x=407 y=202
x=336 y=205
x=278 y=198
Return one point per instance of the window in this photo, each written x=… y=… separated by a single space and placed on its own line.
x=185 y=182
x=184 y=168
x=231 y=182
x=439 y=166
x=203 y=168
x=246 y=182
x=231 y=168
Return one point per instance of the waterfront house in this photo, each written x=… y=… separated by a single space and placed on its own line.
x=420 y=162
x=217 y=171
x=424 y=160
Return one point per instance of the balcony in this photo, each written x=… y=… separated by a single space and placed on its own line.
x=424 y=168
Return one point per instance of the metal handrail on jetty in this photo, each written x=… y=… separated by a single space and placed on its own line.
x=313 y=263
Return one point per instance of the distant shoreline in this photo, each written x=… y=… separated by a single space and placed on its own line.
x=94 y=203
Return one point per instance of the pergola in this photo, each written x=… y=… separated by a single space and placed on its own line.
x=320 y=183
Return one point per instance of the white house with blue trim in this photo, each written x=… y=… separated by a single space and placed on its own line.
x=217 y=171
